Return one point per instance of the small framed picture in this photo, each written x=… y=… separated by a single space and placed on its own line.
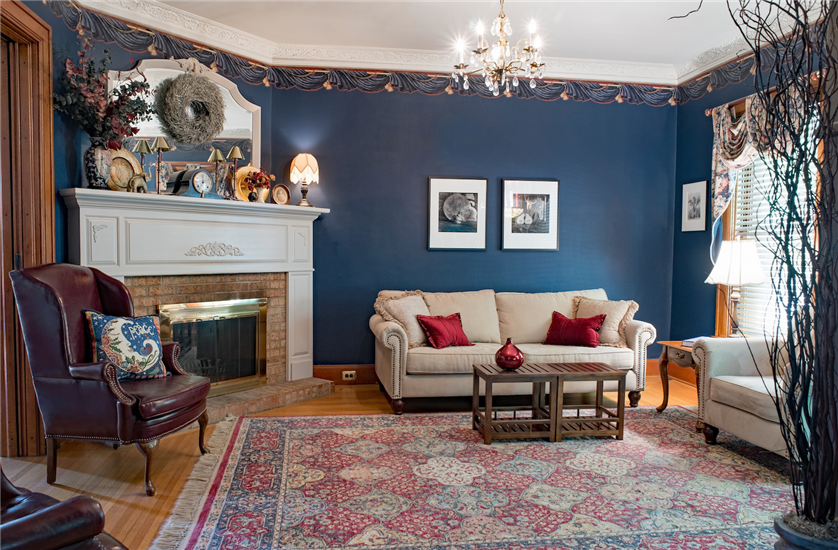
x=530 y=214
x=457 y=213
x=694 y=210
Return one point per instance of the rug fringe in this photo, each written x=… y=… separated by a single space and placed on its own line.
x=183 y=515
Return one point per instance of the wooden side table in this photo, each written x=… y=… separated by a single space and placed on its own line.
x=683 y=357
x=543 y=421
x=604 y=422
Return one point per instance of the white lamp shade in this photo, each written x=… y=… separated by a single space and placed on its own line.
x=304 y=169
x=738 y=265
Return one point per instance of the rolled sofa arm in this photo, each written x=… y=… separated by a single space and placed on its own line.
x=390 y=354
x=639 y=335
x=728 y=357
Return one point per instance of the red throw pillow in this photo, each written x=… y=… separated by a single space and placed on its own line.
x=574 y=332
x=443 y=332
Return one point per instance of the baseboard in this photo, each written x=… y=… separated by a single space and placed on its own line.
x=364 y=374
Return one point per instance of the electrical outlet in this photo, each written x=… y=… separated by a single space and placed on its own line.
x=349 y=375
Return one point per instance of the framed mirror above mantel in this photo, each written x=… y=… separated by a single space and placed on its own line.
x=243 y=119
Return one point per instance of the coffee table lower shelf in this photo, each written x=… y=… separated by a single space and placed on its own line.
x=515 y=428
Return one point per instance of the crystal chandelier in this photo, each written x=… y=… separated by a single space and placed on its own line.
x=502 y=65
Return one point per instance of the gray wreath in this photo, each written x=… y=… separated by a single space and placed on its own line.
x=190 y=108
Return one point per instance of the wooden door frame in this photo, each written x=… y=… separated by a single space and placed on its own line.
x=32 y=167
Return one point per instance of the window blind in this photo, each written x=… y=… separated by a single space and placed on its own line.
x=759 y=305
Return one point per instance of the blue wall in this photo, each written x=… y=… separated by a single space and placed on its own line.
x=617 y=198
x=694 y=301
x=615 y=163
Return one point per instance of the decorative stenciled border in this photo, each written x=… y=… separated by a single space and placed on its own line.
x=136 y=39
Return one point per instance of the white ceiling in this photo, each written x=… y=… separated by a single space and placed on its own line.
x=622 y=40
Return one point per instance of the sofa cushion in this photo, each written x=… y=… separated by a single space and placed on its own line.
x=427 y=360
x=752 y=394
x=618 y=314
x=459 y=360
x=444 y=332
x=574 y=332
x=526 y=317
x=619 y=358
x=402 y=309
x=165 y=395
x=477 y=310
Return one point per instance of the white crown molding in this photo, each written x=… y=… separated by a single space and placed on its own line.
x=161 y=17
x=712 y=58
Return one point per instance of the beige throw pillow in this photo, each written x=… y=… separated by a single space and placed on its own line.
x=402 y=309
x=618 y=314
x=477 y=310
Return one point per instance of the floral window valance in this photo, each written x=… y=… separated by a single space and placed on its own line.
x=738 y=142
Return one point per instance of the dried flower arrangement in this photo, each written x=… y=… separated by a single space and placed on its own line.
x=86 y=101
x=258 y=179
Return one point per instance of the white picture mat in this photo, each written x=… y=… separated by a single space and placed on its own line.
x=439 y=239
x=696 y=191
x=530 y=241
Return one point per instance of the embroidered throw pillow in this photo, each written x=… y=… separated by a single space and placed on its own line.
x=618 y=314
x=402 y=310
x=131 y=343
x=443 y=332
x=574 y=332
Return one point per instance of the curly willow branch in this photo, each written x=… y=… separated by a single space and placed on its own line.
x=799 y=96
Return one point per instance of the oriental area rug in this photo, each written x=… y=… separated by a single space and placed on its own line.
x=428 y=482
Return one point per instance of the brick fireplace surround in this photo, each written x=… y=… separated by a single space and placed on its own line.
x=150 y=292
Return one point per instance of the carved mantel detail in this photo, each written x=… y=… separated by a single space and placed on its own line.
x=96 y=229
x=215 y=249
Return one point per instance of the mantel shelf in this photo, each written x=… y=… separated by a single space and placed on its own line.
x=150 y=201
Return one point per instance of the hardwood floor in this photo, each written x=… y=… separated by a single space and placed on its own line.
x=115 y=477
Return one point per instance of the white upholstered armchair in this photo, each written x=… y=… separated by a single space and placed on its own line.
x=735 y=389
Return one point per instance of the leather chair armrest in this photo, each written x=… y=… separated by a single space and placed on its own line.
x=97 y=372
x=639 y=335
x=75 y=520
x=170 y=355
x=104 y=372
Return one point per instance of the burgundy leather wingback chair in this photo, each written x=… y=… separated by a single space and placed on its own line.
x=35 y=520
x=82 y=399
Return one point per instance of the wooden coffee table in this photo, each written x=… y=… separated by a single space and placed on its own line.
x=609 y=417
x=547 y=419
x=543 y=421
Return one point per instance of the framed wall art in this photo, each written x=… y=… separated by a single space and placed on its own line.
x=530 y=214
x=694 y=208
x=457 y=213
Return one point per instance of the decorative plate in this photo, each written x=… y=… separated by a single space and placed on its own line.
x=240 y=190
x=281 y=194
x=124 y=166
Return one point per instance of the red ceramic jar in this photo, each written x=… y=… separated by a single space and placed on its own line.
x=509 y=356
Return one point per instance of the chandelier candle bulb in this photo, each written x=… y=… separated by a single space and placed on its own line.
x=501 y=62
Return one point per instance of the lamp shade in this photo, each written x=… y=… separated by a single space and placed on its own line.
x=160 y=144
x=304 y=169
x=738 y=265
x=142 y=147
x=216 y=156
x=235 y=153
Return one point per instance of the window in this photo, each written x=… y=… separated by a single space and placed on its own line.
x=761 y=307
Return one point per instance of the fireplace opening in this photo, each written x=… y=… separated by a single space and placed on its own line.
x=224 y=341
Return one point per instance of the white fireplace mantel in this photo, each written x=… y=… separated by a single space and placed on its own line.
x=136 y=234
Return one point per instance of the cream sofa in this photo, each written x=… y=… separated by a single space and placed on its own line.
x=735 y=389
x=490 y=318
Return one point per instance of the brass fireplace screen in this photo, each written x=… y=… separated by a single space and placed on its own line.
x=224 y=341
